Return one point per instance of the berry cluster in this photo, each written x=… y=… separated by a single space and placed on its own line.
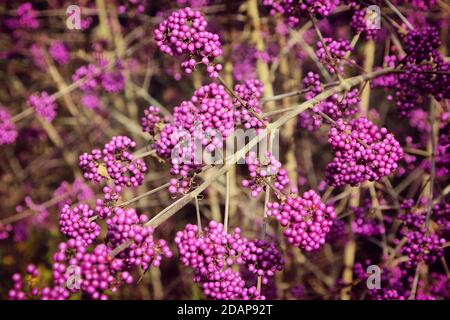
x=335 y=107
x=270 y=168
x=425 y=71
x=127 y=225
x=150 y=120
x=68 y=193
x=114 y=162
x=362 y=152
x=26 y=18
x=97 y=74
x=293 y=9
x=205 y=121
x=78 y=223
x=423 y=44
x=250 y=92
x=59 y=52
x=184 y=33
x=134 y=6
x=212 y=252
x=364 y=222
x=422 y=247
x=263 y=259
x=391 y=286
x=363 y=22
x=44 y=105
x=306 y=218
x=337 y=50
x=8 y=131
x=91 y=272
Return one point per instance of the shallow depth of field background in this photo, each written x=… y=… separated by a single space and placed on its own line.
x=39 y=168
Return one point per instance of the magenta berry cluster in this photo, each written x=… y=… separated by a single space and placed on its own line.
x=365 y=222
x=292 y=10
x=100 y=74
x=59 y=52
x=68 y=193
x=8 y=131
x=263 y=259
x=150 y=120
x=269 y=168
x=79 y=223
x=205 y=121
x=306 y=218
x=362 y=152
x=44 y=105
x=127 y=225
x=363 y=23
x=212 y=252
x=422 y=247
x=336 y=107
x=115 y=162
x=26 y=18
x=184 y=33
x=333 y=55
x=250 y=92
x=91 y=272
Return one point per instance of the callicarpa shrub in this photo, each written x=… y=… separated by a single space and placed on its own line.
x=239 y=150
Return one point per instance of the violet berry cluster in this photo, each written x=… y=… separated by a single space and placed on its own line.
x=212 y=252
x=292 y=10
x=79 y=223
x=44 y=105
x=184 y=33
x=250 y=92
x=58 y=51
x=364 y=222
x=151 y=120
x=333 y=55
x=270 y=167
x=362 y=152
x=26 y=18
x=204 y=122
x=25 y=288
x=425 y=71
x=94 y=77
x=363 y=21
x=115 y=162
x=336 y=107
x=263 y=259
x=143 y=252
x=94 y=273
x=8 y=131
x=307 y=220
